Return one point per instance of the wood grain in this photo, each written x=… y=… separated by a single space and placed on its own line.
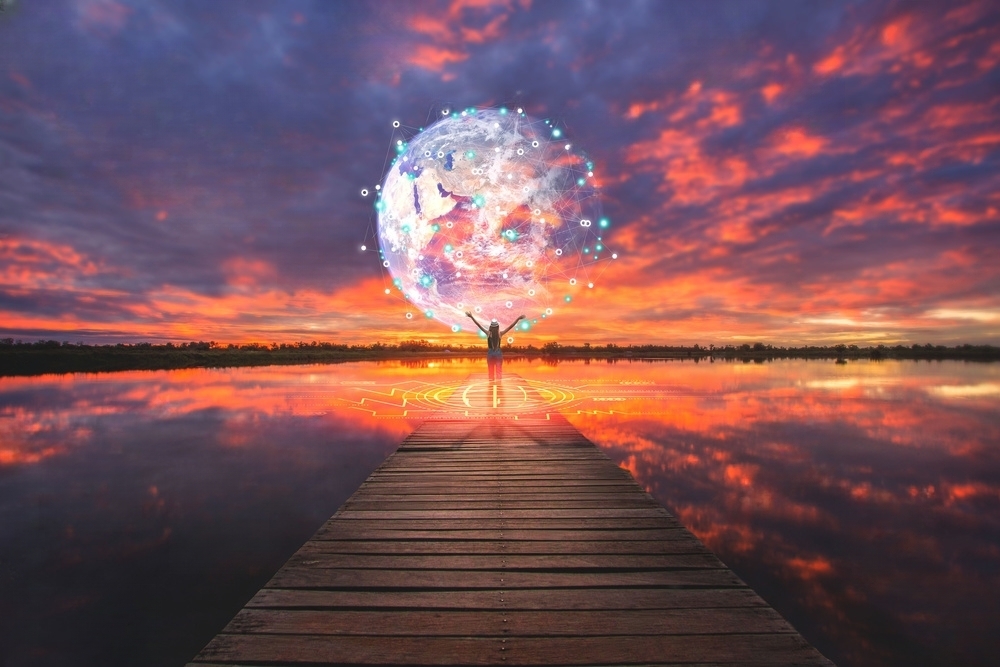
x=504 y=541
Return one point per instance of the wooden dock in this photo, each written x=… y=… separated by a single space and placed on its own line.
x=504 y=541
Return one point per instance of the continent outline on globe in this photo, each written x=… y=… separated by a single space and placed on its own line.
x=492 y=211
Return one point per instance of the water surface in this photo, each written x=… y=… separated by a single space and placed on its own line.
x=139 y=511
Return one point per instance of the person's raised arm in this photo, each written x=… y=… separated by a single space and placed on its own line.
x=511 y=325
x=477 y=323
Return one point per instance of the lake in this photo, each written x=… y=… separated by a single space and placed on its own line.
x=140 y=510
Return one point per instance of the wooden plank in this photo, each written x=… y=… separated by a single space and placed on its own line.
x=444 y=523
x=507 y=623
x=756 y=649
x=349 y=514
x=314 y=559
x=494 y=546
x=414 y=505
x=479 y=493
x=501 y=541
x=339 y=531
x=549 y=599
x=294 y=577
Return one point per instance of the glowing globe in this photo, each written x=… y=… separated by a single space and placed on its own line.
x=492 y=212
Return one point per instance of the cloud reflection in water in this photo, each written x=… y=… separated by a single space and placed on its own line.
x=862 y=502
x=139 y=511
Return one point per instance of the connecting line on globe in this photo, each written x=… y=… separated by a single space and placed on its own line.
x=487 y=210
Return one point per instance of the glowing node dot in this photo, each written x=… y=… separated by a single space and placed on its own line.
x=567 y=146
x=529 y=263
x=520 y=110
x=509 y=304
x=520 y=151
x=386 y=290
x=505 y=275
x=395 y=123
x=409 y=316
x=455 y=328
x=548 y=311
x=364 y=192
x=568 y=298
x=449 y=224
x=364 y=247
x=478 y=309
x=614 y=255
x=572 y=281
x=590 y=285
x=510 y=340
x=534 y=144
x=444 y=112
x=378 y=187
x=531 y=292
x=557 y=133
x=386 y=264
x=558 y=251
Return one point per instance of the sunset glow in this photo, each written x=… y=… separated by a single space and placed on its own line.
x=777 y=172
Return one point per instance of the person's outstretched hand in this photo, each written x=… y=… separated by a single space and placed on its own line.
x=521 y=317
x=469 y=314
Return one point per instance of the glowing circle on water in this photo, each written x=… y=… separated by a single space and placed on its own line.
x=484 y=208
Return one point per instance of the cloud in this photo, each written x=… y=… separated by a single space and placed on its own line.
x=790 y=174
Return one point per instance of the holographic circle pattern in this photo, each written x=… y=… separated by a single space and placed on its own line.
x=493 y=212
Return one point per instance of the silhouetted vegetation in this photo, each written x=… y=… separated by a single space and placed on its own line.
x=50 y=356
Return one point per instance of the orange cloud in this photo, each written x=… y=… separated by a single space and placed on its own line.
x=463 y=23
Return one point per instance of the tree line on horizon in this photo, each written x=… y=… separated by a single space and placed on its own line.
x=18 y=357
x=421 y=345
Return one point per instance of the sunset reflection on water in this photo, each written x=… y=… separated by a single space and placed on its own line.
x=861 y=500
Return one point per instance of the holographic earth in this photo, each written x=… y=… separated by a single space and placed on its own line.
x=490 y=211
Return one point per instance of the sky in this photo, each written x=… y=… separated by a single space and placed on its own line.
x=784 y=172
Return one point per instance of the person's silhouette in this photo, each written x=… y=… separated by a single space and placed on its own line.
x=494 y=356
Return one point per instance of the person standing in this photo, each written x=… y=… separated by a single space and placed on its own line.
x=494 y=355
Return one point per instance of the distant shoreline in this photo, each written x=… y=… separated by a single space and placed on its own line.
x=40 y=358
